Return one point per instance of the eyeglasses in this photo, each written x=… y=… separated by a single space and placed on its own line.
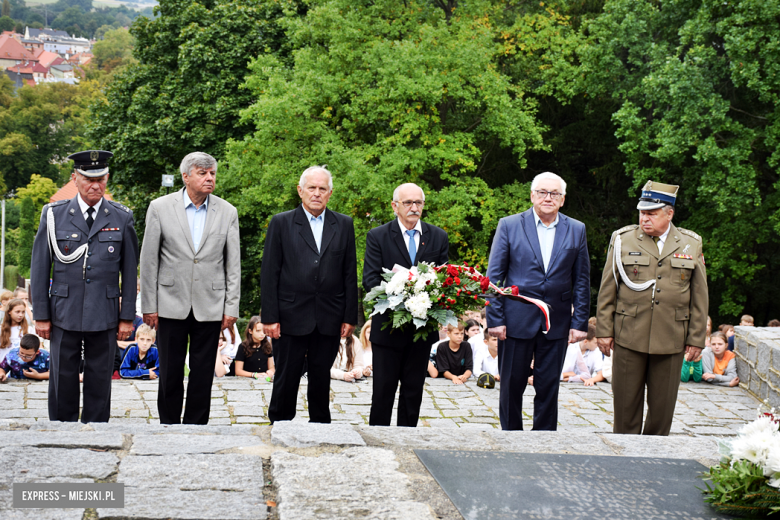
x=410 y=203
x=27 y=356
x=554 y=195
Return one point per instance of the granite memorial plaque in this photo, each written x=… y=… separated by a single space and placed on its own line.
x=485 y=485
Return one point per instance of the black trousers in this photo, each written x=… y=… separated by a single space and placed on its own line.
x=290 y=353
x=514 y=365
x=407 y=365
x=65 y=358
x=172 y=336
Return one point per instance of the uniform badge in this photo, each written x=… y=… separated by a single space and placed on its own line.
x=110 y=249
x=634 y=253
x=67 y=249
x=74 y=235
x=686 y=248
x=110 y=229
x=72 y=212
x=94 y=155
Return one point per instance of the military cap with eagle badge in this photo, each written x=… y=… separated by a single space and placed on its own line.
x=91 y=163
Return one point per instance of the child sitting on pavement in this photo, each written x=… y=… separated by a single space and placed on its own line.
x=487 y=358
x=142 y=360
x=583 y=361
x=692 y=370
x=27 y=361
x=719 y=365
x=255 y=355
x=454 y=359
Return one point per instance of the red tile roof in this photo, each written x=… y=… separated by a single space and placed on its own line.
x=46 y=58
x=10 y=49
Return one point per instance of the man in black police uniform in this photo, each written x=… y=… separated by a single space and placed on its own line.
x=84 y=244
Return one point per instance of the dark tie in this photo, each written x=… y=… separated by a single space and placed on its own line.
x=656 y=239
x=90 y=217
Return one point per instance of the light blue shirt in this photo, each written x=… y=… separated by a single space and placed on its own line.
x=196 y=217
x=546 y=236
x=316 y=224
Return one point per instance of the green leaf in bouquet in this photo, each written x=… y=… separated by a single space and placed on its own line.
x=381 y=306
x=419 y=323
x=375 y=292
x=440 y=315
x=451 y=319
x=400 y=318
x=724 y=448
x=395 y=300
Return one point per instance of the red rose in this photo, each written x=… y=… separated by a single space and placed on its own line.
x=487 y=303
x=515 y=290
x=452 y=270
x=459 y=291
x=484 y=284
x=457 y=281
x=475 y=297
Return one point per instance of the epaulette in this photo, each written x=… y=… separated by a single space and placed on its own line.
x=627 y=228
x=120 y=206
x=58 y=203
x=689 y=233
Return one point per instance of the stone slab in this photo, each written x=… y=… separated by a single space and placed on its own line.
x=571 y=487
x=166 y=444
x=153 y=502
x=318 y=487
x=305 y=435
x=8 y=512
x=193 y=472
x=30 y=464
x=57 y=439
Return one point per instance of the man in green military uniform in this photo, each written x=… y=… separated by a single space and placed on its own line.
x=652 y=311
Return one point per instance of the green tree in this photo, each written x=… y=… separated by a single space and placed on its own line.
x=6 y=23
x=28 y=222
x=39 y=191
x=6 y=8
x=184 y=93
x=429 y=92
x=113 y=50
x=698 y=104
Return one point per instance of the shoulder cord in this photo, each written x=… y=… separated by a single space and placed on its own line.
x=65 y=259
x=618 y=262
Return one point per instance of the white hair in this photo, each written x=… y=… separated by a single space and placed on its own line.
x=199 y=159
x=316 y=169
x=551 y=176
x=395 y=191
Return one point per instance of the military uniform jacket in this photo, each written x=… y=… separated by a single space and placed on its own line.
x=85 y=298
x=676 y=315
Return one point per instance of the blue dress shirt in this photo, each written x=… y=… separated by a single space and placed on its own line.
x=196 y=217
x=316 y=224
x=546 y=236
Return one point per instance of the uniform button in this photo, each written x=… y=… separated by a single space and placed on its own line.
x=89 y=254
x=657 y=302
x=316 y=261
x=89 y=241
x=196 y=260
x=660 y=264
x=658 y=290
x=88 y=280
x=89 y=268
x=55 y=291
x=659 y=276
x=315 y=278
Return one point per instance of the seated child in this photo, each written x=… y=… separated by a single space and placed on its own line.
x=255 y=355
x=14 y=325
x=719 y=365
x=142 y=360
x=691 y=370
x=27 y=361
x=348 y=365
x=368 y=353
x=487 y=358
x=583 y=360
x=454 y=358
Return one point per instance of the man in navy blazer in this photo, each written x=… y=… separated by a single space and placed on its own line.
x=545 y=254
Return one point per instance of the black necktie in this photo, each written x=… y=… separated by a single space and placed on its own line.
x=90 y=218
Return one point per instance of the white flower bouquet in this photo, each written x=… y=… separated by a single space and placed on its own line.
x=746 y=481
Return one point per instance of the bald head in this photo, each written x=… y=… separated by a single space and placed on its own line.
x=408 y=201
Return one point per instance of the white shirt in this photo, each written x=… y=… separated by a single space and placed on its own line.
x=485 y=363
x=418 y=228
x=83 y=206
x=546 y=236
x=477 y=343
x=662 y=239
x=316 y=224
x=230 y=348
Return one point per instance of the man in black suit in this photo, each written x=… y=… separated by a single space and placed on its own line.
x=405 y=241
x=309 y=295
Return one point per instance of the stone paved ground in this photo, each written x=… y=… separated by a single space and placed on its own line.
x=238 y=467
x=702 y=409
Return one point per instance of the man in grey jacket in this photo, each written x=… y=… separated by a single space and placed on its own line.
x=190 y=285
